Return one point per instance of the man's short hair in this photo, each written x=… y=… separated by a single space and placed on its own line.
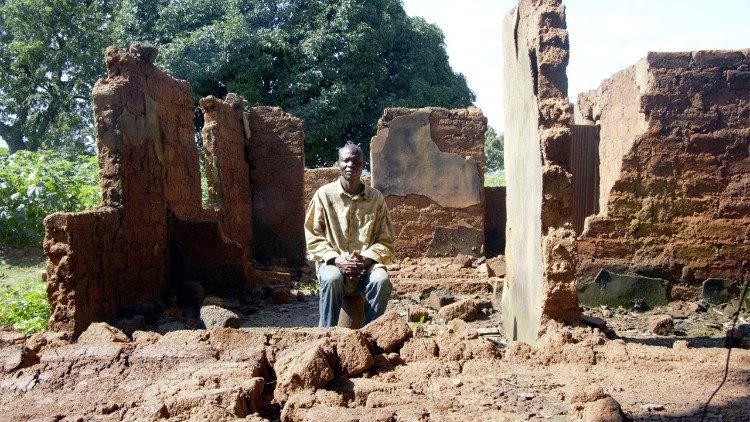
x=350 y=145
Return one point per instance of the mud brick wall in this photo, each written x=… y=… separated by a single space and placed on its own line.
x=315 y=178
x=226 y=144
x=539 y=283
x=277 y=154
x=679 y=208
x=104 y=260
x=429 y=163
x=494 y=221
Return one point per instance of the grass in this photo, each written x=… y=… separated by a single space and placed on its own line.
x=494 y=179
x=23 y=294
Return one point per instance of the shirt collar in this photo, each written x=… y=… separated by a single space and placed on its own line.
x=362 y=192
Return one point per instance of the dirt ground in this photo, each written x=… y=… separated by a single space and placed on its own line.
x=449 y=371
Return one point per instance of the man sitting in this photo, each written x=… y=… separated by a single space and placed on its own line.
x=349 y=235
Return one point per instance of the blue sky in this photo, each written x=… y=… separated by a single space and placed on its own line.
x=605 y=36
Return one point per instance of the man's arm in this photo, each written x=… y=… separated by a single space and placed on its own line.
x=318 y=246
x=381 y=249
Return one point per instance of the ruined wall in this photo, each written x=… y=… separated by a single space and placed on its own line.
x=226 y=145
x=315 y=178
x=104 y=260
x=680 y=207
x=615 y=107
x=494 y=221
x=277 y=155
x=539 y=283
x=429 y=163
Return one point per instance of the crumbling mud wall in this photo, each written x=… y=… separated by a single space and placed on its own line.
x=429 y=163
x=277 y=155
x=226 y=144
x=679 y=207
x=615 y=107
x=315 y=178
x=150 y=235
x=103 y=260
x=539 y=283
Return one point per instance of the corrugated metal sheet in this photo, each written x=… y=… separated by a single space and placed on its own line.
x=584 y=164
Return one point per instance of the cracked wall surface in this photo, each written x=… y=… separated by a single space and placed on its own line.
x=226 y=144
x=539 y=249
x=429 y=163
x=679 y=206
x=277 y=155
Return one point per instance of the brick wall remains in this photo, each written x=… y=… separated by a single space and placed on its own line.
x=315 y=178
x=227 y=167
x=539 y=283
x=429 y=163
x=104 y=260
x=277 y=155
x=679 y=207
x=150 y=235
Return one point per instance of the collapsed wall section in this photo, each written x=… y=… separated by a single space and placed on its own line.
x=104 y=260
x=429 y=164
x=277 y=156
x=679 y=207
x=539 y=283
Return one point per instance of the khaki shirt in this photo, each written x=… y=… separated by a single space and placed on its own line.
x=338 y=223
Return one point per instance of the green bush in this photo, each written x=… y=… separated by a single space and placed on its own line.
x=26 y=308
x=35 y=184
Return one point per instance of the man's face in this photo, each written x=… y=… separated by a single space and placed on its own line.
x=351 y=164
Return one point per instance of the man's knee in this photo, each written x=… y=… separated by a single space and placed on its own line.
x=331 y=276
x=379 y=278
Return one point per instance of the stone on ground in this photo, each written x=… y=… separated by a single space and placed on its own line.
x=353 y=353
x=307 y=368
x=13 y=358
x=217 y=317
x=467 y=310
x=439 y=298
x=662 y=325
x=388 y=332
x=101 y=332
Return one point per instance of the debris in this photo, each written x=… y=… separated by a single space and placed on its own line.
x=662 y=325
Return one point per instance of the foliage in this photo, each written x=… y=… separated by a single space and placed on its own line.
x=494 y=150
x=25 y=306
x=494 y=179
x=333 y=63
x=34 y=184
x=50 y=55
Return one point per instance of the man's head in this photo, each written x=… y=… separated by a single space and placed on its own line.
x=351 y=162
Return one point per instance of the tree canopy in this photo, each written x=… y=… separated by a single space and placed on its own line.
x=50 y=55
x=333 y=63
x=494 y=150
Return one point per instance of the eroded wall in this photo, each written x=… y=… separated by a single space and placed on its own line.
x=539 y=283
x=226 y=145
x=104 y=260
x=615 y=107
x=429 y=163
x=277 y=155
x=680 y=207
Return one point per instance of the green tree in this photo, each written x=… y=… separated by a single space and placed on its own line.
x=50 y=55
x=494 y=147
x=334 y=63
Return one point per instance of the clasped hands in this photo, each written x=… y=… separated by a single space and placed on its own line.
x=354 y=265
